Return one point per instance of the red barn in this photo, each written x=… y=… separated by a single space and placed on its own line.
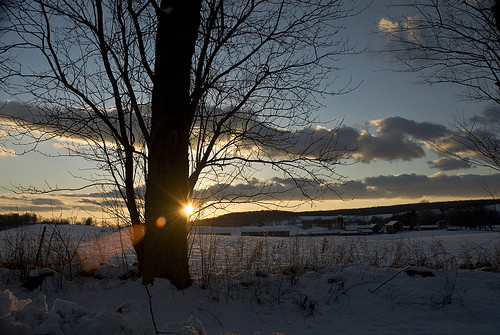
x=393 y=227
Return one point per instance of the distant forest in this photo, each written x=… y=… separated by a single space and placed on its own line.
x=467 y=213
x=16 y=219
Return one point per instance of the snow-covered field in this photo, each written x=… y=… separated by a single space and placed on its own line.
x=295 y=285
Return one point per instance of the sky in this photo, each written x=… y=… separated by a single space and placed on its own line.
x=388 y=117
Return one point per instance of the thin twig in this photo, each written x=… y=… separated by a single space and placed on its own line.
x=151 y=311
x=215 y=316
x=388 y=280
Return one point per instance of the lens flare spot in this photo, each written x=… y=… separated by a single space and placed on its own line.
x=97 y=252
x=161 y=222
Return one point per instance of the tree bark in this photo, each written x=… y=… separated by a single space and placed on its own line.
x=165 y=241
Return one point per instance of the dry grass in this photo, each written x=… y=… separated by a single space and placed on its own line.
x=220 y=262
x=51 y=250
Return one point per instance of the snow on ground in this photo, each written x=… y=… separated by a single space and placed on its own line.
x=343 y=299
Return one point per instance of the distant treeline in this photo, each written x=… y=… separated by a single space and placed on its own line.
x=15 y=219
x=468 y=217
x=467 y=213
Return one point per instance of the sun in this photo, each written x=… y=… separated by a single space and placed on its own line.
x=188 y=210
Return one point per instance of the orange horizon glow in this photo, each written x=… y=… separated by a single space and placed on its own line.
x=295 y=206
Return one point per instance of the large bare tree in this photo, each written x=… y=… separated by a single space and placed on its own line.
x=180 y=100
x=455 y=42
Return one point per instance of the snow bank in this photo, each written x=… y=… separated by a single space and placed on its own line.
x=34 y=317
x=319 y=300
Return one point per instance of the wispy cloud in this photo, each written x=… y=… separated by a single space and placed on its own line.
x=6 y=152
x=404 y=186
x=418 y=186
x=388 y=26
x=47 y=201
x=448 y=164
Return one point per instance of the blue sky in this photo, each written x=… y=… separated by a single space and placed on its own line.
x=387 y=116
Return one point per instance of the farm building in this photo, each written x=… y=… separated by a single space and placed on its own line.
x=393 y=227
x=368 y=229
x=375 y=228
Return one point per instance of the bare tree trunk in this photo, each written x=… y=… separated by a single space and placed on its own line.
x=258 y=69
x=165 y=240
x=496 y=14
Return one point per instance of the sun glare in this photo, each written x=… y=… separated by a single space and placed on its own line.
x=188 y=209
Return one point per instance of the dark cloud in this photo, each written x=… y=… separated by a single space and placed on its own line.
x=388 y=146
x=395 y=138
x=20 y=208
x=387 y=139
x=47 y=201
x=33 y=200
x=17 y=110
x=70 y=210
x=275 y=188
x=418 y=130
x=448 y=164
x=272 y=141
x=40 y=204
x=418 y=186
x=489 y=115
x=476 y=138
x=63 y=121
x=405 y=186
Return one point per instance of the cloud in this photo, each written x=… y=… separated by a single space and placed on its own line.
x=47 y=201
x=405 y=37
x=32 y=202
x=64 y=122
x=409 y=28
x=387 y=26
x=448 y=163
x=387 y=146
x=11 y=109
x=414 y=186
x=48 y=204
x=489 y=115
x=318 y=142
x=387 y=139
x=419 y=130
x=254 y=188
x=475 y=138
x=6 y=152
x=252 y=134
x=395 y=138
x=404 y=186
